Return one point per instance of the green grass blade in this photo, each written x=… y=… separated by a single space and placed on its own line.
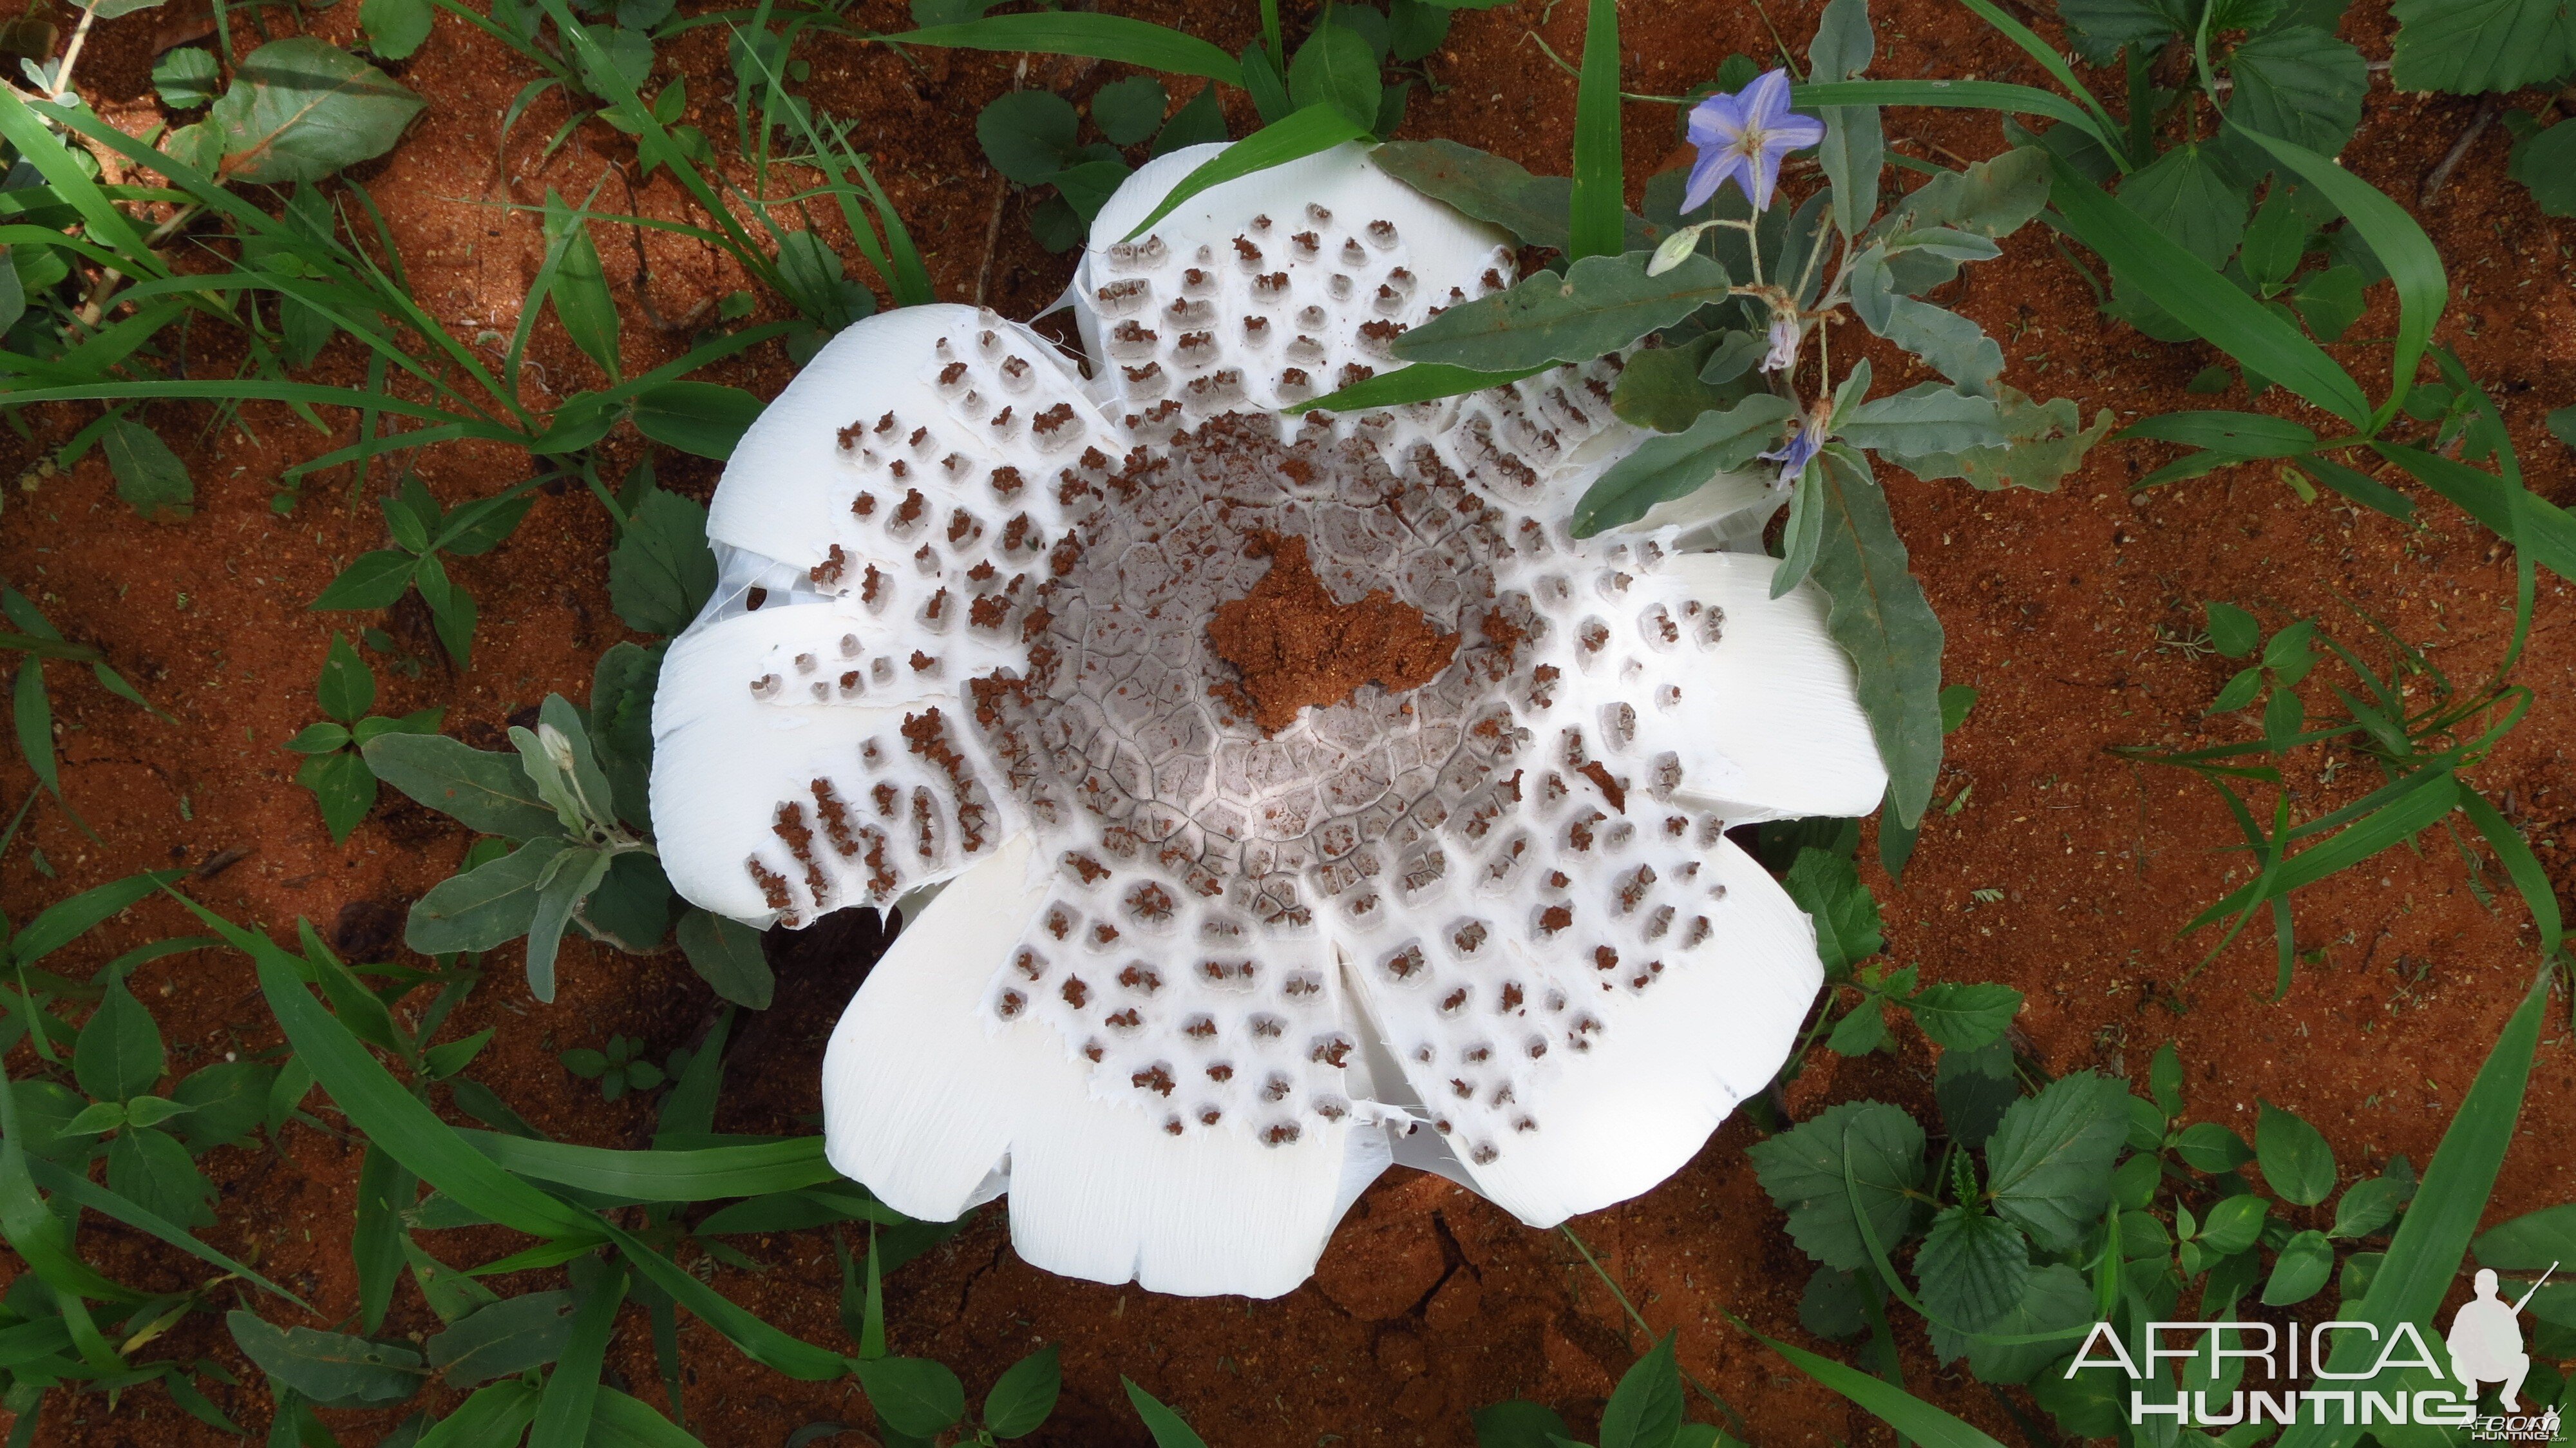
x=1420 y=382
x=2201 y=299
x=1096 y=37
x=497 y=1414
x=1978 y=95
x=1892 y=1405
x=37 y=145
x=619 y=1421
x=2546 y=531
x=2521 y=866
x=1299 y=134
x=2424 y=1256
x=43 y=1239
x=703 y=1175
x=572 y=1389
x=2413 y=804
x=1598 y=226
x=763 y=1343
x=388 y=1115
x=2414 y=266
x=107 y=1203
x=2108 y=131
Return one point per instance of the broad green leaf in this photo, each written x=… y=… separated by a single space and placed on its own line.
x=2527 y=1243
x=1663 y=387
x=1301 y=133
x=1127 y=111
x=65 y=921
x=1953 y=345
x=914 y=1396
x=1025 y=1394
x=631 y=909
x=1490 y=188
x=346 y=689
x=332 y=1368
x=2301 y=84
x=2545 y=161
x=2210 y=1147
x=2368 y=1205
x=375 y=580
x=152 y=1169
x=2468 y=46
x=2329 y=301
x=1518 y=1423
x=620 y=1421
x=1600 y=304
x=1962 y=1017
x=1595 y=224
x=1973 y=1087
x=2048 y=1165
x=1335 y=67
x=579 y=288
x=1028 y=135
x=703 y=419
x=395 y=28
x=662 y=570
x=343 y=788
x=564 y=1411
x=1645 y=1409
x=2234 y=1224
x=225 y=1102
x=2184 y=196
x=1879 y=616
x=1827 y=886
x=300 y=109
x=1802 y=1169
x=487 y=906
x=1661 y=469
x=488 y=792
x=186 y=78
x=2203 y=300
x=149 y=476
x=1973 y=1267
x=1100 y=37
x=504 y=1339
x=1166 y=1426
x=2294 y=1156
x=2300 y=1272
x=2056 y=1297
x=726 y=954
x=120 y=1053
x=497 y=1414
x=2234 y=633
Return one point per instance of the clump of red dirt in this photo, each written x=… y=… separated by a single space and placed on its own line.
x=1296 y=646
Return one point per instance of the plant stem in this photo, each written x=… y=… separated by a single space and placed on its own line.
x=72 y=55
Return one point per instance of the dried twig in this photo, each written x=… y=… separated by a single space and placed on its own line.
x=1001 y=194
x=2441 y=171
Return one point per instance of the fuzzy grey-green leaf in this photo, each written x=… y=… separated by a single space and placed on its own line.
x=1598 y=305
x=1878 y=613
x=1663 y=468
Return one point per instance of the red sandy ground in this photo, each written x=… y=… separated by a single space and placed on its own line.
x=2064 y=610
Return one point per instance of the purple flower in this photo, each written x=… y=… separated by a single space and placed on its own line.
x=1807 y=436
x=1784 y=344
x=1743 y=136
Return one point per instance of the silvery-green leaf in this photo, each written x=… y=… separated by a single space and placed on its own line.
x=558 y=714
x=1599 y=305
x=1663 y=468
x=485 y=906
x=1665 y=388
x=569 y=877
x=1991 y=198
x=300 y=109
x=1854 y=148
x=1805 y=534
x=1880 y=617
x=1534 y=209
x=1925 y=418
x=2042 y=444
x=551 y=777
x=487 y=792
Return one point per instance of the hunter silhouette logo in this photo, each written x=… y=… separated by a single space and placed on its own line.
x=2486 y=1341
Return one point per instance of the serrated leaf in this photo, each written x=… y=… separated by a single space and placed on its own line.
x=1661 y=469
x=2545 y=161
x=662 y=570
x=1973 y=1087
x=1962 y=1016
x=2048 y=1165
x=1597 y=306
x=2184 y=196
x=1803 y=1170
x=1879 y=616
x=300 y=109
x=2300 y=84
x=1127 y=111
x=1973 y=1267
x=2469 y=46
x=2054 y=1298
x=1827 y=886
x=487 y=792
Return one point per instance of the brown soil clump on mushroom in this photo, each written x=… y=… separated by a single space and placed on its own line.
x=1295 y=646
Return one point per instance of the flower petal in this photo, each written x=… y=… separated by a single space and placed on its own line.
x=1765 y=721
x=773 y=802
x=1269 y=289
x=1558 y=1087
x=1765 y=99
x=922 y=1096
x=1712 y=170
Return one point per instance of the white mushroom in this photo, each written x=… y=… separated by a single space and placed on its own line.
x=1236 y=920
